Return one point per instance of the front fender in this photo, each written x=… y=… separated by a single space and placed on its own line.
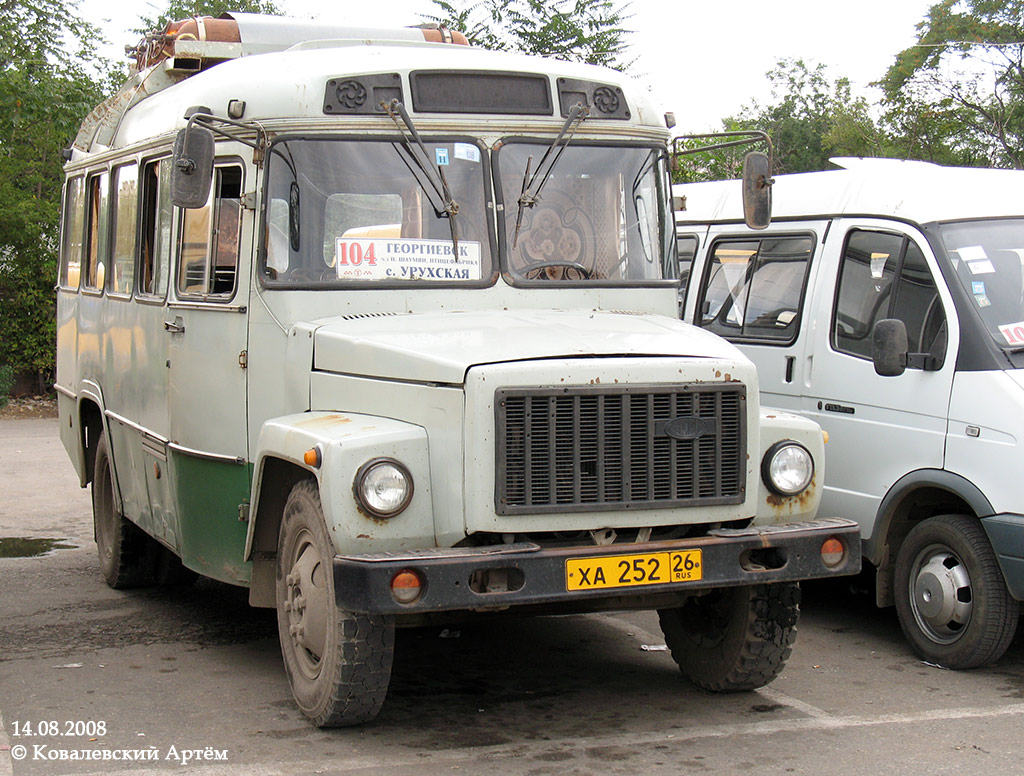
x=346 y=441
x=777 y=426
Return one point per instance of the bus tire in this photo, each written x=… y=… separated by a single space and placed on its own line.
x=734 y=639
x=951 y=598
x=338 y=662
x=125 y=551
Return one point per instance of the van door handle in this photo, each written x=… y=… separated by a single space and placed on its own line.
x=177 y=326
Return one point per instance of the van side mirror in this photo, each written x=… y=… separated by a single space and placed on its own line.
x=889 y=347
x=757 y=190
x=192 y=167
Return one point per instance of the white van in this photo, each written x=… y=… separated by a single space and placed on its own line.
x=924 y=433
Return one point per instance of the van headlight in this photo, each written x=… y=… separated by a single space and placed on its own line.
x=787 y=468
x=383 y=487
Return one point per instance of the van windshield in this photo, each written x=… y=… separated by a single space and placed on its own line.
x=341 y=211
x=601 y=215
x=988 y=257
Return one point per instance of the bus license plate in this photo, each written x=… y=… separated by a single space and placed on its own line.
x=652 y=568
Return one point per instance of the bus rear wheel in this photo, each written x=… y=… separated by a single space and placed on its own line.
x=126 y=559
x=338 y=662
x=735 y=638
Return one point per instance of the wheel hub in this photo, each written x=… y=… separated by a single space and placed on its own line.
x=941 y=594
x=306 y=602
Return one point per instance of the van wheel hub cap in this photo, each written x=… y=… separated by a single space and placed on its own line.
x=941 y=594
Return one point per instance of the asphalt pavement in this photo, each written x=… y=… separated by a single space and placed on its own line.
x=173 y=681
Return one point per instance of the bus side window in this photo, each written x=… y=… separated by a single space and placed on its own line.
x=156 y=229
x=74 y=224
x=96 y=242
x=208 y=260
x=126 y=208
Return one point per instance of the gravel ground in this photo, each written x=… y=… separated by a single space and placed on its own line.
x=30 y=407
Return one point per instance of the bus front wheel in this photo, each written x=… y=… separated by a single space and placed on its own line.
x=338 y=662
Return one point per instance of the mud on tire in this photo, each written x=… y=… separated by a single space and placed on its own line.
x=734 y=639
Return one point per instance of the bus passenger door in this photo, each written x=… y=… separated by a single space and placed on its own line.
x=207 y=331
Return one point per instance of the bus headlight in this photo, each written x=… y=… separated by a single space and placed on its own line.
x=383 y=487
x=787 y=468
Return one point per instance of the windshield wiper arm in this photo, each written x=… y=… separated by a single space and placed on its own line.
x=442 y=200
x=529 y=196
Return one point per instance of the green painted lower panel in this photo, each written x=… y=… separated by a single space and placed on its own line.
x=208 y=495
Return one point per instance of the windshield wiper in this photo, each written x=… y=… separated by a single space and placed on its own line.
x=530 y=196
x=438 y=193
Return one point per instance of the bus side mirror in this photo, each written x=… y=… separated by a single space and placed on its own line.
x=192 y=167
x=757 y=190
x=889 y=347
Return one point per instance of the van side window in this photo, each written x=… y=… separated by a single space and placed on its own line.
x=753 y=288
x=154 y=259
x=126 y=209
x=208 y=261
x=884 y=275
x=74 y=226
x=96 y=239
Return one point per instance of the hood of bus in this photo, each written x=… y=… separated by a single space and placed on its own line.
x=441 y=347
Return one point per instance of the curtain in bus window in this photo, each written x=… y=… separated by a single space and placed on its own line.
x=126 y=193
x=74 y=225
x=208 y=255
x=156 y=225
x=96 y=243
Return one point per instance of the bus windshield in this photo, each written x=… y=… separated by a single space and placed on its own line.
x=359 y=211
x=601 y=216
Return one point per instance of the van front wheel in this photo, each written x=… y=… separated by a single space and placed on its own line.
x=953 y=604
x=735 y=638
x=338 y=662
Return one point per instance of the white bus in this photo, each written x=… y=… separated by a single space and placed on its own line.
x=385 y=328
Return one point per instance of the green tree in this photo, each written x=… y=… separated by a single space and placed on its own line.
x=177 y=10
x=49 y=79
x=809 y=119
x=957 y=95
x=589 y=31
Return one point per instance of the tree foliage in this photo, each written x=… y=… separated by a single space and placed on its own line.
x=589 y=31
x=809 y=119
x=959 y=92
x=49 y=80
x=177 y=10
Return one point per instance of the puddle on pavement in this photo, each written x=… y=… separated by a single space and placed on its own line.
x=21 y=547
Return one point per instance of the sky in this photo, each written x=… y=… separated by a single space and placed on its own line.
x=701 y=60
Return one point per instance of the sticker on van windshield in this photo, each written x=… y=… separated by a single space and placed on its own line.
x=983 y=267
x=441 y=155
x=983 y=300
x=406 y=259
x=978 y=287
x=467 y=151
x=972 y=253
x=1013 y=333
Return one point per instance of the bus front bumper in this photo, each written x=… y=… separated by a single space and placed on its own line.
x=500 y=576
